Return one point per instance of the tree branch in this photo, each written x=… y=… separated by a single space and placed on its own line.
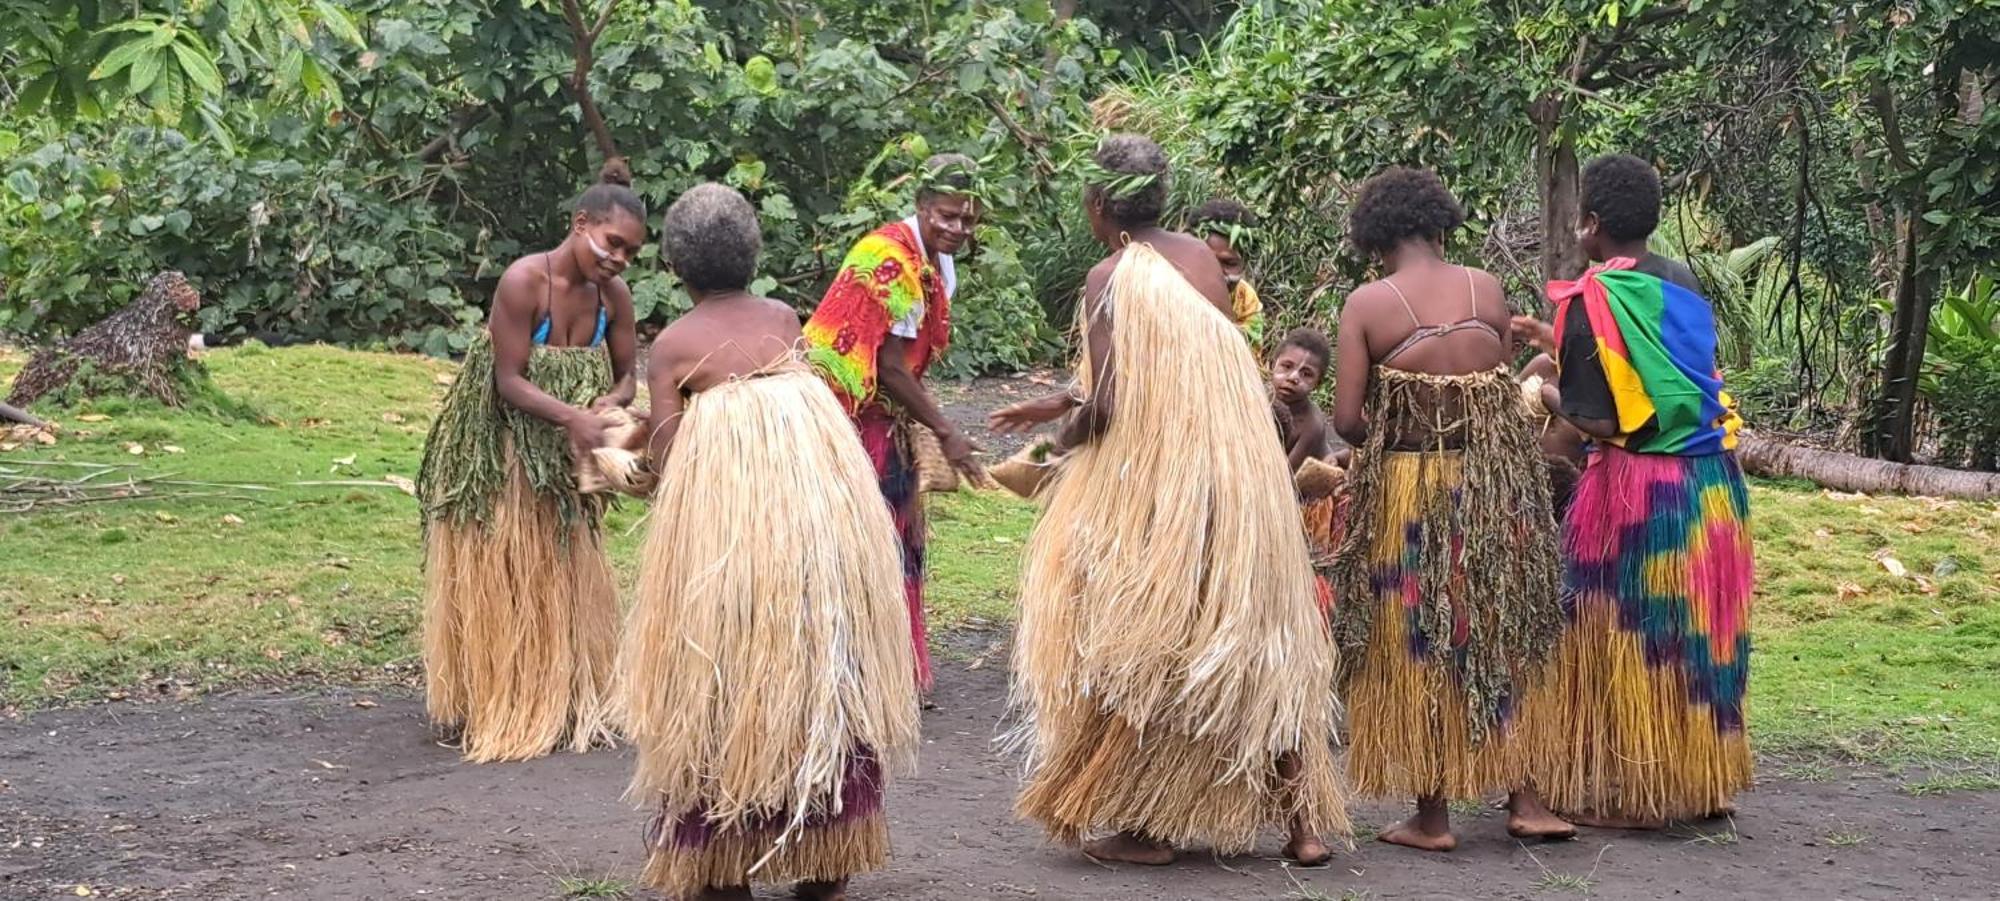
x=16 y=414
x=583 y=39
x=1892 y=125
x=1029 y=140
x=603 y=19
x=1616 y=42
x=460 y=124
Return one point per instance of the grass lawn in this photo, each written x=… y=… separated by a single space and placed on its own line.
x=1877 y=620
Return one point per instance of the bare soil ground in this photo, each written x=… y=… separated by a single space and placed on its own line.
x=338 y=795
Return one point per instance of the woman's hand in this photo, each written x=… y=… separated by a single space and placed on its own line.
x=958 y=451
x=605 y=403
x=1028 y=414
x=1534 y=333
x=586 y=433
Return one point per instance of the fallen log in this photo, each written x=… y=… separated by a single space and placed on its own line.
x=1765 y=457
x=16 y=414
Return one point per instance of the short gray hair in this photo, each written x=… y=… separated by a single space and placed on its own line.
x=711 y=238
x=931 y=185
x=1130 y=154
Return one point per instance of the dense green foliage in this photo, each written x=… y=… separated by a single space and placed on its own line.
x=361 y=172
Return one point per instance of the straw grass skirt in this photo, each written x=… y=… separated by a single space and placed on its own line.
x=1447 y=583
x=1170 y=653
x=521 y=611
x=1640 y=715
x=1407 y=730
x=765 y=670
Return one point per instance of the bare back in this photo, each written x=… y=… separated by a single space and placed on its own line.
x=718 y=340
x=1437 y=319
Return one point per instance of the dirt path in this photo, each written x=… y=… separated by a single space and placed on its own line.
x=334 y=796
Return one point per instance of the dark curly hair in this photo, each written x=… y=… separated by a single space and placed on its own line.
x=1129 y=154
x=1400 y=203
x=1624 y=192
x=613 y=191
x=711 y=238
x=1310 y=340
x=1222 y=211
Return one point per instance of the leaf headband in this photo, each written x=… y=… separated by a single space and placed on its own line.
x=1115 y=185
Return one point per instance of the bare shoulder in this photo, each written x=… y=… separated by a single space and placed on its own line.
x=1367 y=297
x=522 y=281
x=1100 y=274
x=619 y=293
x=783 y=319
x=683 y=336
x=1490 y=295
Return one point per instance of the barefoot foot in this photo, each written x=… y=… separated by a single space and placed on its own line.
x=822 y=891
x=724 y=893
x=1416 y=833
x=1307 y=851
x=1127 y=848
x=1527 y=817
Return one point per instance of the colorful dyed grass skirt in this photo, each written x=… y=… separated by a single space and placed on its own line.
x=1410 y=735
x=885 y=438
x=1640 y=715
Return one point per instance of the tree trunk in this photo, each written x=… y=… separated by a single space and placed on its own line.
x=1557 y=177
x=1846 y=472
x=1892 y=429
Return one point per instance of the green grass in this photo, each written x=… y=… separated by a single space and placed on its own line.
x=1946 y=783
x=323 y=582
x=576 y=888
x=1854 y=658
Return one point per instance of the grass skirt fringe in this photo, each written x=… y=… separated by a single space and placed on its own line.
x=812 y=854
x=1170 y=651
x=1641 y=713
x=765 y=672
x=1447 y=584
x=521 y=609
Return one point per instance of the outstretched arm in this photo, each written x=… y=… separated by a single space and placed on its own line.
x=903 y=387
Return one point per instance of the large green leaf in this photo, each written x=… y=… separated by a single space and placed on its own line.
x=336 y=21
x=121 y=56
x=144 y=71
x=198 y=68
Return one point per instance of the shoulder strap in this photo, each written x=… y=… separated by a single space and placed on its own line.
x=1406 y=303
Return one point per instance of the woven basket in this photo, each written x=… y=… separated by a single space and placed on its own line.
x=934 y=472
x=617 y=466
x=1028 y=470
x=1531 y=398
x=1318 y=478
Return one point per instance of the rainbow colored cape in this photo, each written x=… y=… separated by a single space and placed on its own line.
x=879 y=282
x=1656 y=344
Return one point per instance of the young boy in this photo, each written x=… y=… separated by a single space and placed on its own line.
x=1296 y=372
x=1226 y=226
